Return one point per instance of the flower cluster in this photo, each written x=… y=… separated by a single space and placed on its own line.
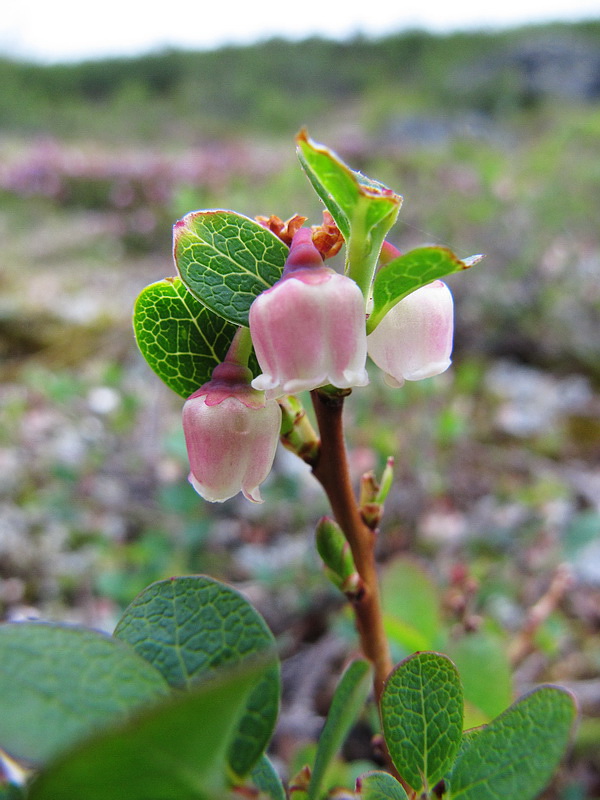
x=308 y=330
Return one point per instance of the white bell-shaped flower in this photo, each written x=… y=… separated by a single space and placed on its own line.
x=414 y=339
x=231 y=433
x=309 y=328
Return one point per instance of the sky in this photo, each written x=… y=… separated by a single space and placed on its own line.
x=64 y=30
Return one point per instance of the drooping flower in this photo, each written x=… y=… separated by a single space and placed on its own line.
x=414 y=339
x=231 y=433
x=309 y=328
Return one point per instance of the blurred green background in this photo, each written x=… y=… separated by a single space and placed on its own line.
x=494 y=141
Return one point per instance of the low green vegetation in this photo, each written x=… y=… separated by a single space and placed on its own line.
x=273 y=87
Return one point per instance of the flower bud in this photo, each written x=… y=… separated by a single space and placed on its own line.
x=414 y=339
x=309 y=328
x=231 y=433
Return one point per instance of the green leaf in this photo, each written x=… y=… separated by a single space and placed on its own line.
x=190 y=627
x=173 y=751
x=422 y=713
x=411 y=606
x=342 y=189
x=60 y=684
x=485 y=672
x=379 y=786
x=226 y=260
x=266 y=780
x=467 y=740
x=408 y=272
x=348 y=700
x=364 y=210
x=517 y=753
x=181 y=339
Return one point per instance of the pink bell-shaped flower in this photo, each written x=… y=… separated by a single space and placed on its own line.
x=309 y=328
x=414 y=339
x=231 y=433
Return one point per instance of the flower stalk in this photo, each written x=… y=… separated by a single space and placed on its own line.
x=332 y=472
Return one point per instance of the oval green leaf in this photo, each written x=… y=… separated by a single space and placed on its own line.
x=59 y=684
x=408 y=272
x=517 y=753
x=379 y=786
x=422 y=714
x=171 y=751
x=226 y=260
x=191 y=627
x=266 y=780
x=181 y=340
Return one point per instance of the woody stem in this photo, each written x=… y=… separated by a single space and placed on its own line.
x=332 y=471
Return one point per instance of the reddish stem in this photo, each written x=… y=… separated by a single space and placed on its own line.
x=332 y=471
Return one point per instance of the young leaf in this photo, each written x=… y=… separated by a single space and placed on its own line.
x=173 y=750
x=408 y=272
x=190 y=627
x=348 y=700
x=517 y=753
x=335 y=551
x=379 y=786
x=226 y=260
x=181 y=340
x=60 y=684
x=266 y=780
x=422 y=712
x=342 y=189
x=364 y=210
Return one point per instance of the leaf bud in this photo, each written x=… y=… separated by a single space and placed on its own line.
x=335 y=551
